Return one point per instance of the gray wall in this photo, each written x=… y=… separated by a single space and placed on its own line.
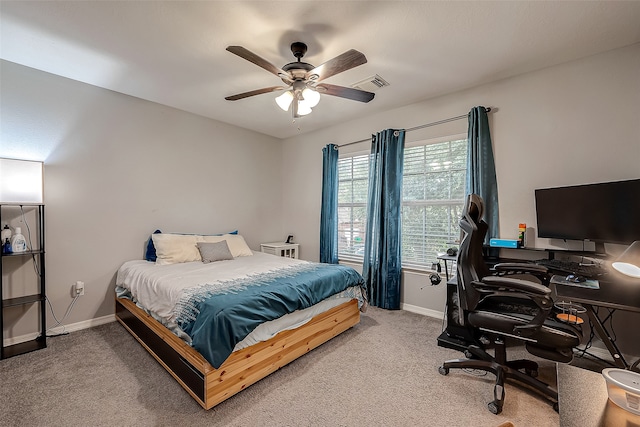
x=117 y=168
x=570 y=124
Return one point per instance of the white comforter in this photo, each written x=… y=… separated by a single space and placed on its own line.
x=158 y=288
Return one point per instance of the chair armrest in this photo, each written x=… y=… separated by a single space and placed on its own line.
x=521 y=266
x=526 y=286
x=539 y=294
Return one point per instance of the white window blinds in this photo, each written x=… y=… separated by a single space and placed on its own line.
x=433 y=198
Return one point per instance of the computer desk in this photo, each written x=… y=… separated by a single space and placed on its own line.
x=616 y=292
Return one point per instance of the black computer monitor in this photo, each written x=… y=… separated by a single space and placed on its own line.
x=607 y=212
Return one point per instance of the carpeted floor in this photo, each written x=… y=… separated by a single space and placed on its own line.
x=382 y=372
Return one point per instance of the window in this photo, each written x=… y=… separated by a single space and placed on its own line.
x=433 y=198
x=353 y=181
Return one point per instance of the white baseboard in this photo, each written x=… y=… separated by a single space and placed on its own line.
x=68 y=328
x=600 y=352
x=599 y=349
x=421 y=310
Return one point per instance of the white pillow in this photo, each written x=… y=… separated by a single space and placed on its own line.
x=176 y=248
x=237 y=245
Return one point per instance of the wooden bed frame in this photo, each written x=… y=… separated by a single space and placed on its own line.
x=210 y=386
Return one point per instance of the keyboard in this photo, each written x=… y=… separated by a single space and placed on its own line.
x=572 y=267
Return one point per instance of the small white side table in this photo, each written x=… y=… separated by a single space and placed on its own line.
x=287 y=250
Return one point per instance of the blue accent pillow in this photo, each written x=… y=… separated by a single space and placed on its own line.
x=150 y=254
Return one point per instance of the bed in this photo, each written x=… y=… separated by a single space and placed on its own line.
x=219 y=323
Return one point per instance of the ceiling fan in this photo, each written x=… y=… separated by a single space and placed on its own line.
x=303 y=80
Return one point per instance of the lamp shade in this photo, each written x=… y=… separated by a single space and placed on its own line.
x=311 y=97
x=20 y=181
x=629 y=262
x=303 y=108
x=284 y=100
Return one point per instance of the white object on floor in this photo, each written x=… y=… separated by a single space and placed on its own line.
x=623 y=388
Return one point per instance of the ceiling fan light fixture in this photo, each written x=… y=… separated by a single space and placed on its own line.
x=284 y=100
x=310 y=97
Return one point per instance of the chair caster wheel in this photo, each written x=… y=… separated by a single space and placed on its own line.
x=556 y=407
x=443 y=370
x=531 y=372
x=494 y=408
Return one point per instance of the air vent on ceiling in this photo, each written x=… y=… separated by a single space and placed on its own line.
x=371 y=84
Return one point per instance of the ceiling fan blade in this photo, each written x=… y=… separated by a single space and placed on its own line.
x=254 y=92
x=345 y=92
x=350 y=59
x=260 y=62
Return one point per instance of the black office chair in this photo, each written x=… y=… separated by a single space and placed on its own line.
x=506 y=302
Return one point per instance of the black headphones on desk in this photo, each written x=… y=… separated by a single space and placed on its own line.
x=452 y=252
x=435 y=279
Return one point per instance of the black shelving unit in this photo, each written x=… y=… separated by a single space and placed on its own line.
x=35 y=255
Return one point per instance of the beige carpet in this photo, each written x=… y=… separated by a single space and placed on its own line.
x=383 y=372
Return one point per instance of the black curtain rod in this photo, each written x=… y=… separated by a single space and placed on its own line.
x=452 y=119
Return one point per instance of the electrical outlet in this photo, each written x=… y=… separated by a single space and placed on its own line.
x=79 y=288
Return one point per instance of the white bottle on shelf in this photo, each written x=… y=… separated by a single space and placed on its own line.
x=6 y=233
x=18 y=242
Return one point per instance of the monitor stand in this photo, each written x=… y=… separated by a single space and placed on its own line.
x=600 y=250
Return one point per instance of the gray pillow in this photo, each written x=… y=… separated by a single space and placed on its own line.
x=211 y=252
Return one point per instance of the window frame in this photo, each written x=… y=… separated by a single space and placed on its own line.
x=341 y=156
x=413 y=266
x=409 y=266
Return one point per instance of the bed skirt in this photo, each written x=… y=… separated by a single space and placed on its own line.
x=210 y=386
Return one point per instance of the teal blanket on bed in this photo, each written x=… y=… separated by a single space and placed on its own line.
x=217 y=316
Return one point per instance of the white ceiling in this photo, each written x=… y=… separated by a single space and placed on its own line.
x=173 y=53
